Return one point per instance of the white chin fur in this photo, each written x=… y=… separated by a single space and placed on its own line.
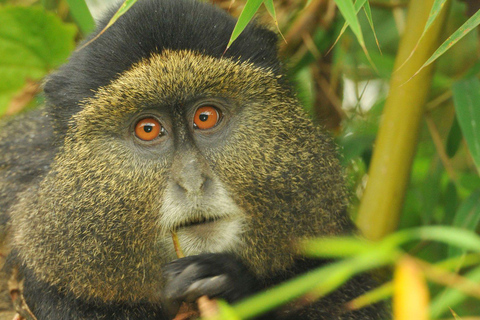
x=222 y=234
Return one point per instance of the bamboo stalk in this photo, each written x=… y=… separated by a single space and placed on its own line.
x=397 y=138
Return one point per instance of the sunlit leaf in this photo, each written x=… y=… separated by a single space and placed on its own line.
x=336 y=247
x=251 y=7
x=410 y=297
x=26 y=53
x=466 y=96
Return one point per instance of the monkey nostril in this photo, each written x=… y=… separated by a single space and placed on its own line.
x=193 y=185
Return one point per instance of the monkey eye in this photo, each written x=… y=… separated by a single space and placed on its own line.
x=206 y=117
x=148 y=129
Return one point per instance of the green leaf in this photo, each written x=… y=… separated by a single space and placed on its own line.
x=126 y=5
x=467 y=217
x=251 y=7
x=305 y=88
x=355 y=145
x=453 y=236
x=436 y=9
x=349 y=13
x=454 y=139
x=319 y=281
x=335 y=247
x=225 y=312
x=368 y=13
x=32 y=43
x=271 y=10
x=357 y=6
x=466 y=97
x=468 y=26
x=451 y=297
x=82 y=15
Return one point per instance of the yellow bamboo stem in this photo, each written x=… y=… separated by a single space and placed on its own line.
x=396 y=142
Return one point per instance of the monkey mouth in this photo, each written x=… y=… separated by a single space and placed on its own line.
x=196 y=221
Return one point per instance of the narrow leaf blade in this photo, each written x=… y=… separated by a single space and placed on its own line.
x=468 y=26
x=368 y=13
x=82 y=15
x=126 y=5
x=466 y=97
x=271 y=10
x=358 y=5
x=251 y=7
x=436 y=9
x=467 y=217
x=349 y=12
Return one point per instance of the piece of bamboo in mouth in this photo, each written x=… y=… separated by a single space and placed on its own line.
x=206 y=306
x=176 y=245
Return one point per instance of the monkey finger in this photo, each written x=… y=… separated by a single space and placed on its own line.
x=210 y=287
x=176 y=286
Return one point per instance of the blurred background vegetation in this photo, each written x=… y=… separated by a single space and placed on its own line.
x=409 y=140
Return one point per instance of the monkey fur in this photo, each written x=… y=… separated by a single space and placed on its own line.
x=88 y=207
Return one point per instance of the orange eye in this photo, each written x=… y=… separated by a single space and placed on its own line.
x=148 y=129
x=206 y=117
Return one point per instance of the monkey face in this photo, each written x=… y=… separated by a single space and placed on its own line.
x=143 y=158
x=120 y=190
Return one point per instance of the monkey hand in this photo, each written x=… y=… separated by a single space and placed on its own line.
x=214 y=275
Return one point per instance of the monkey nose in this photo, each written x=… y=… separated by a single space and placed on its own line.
x=191 y=178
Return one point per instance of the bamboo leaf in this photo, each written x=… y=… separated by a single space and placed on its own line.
x=349 y=12
x=450 y=297
x=336 y=247
x=325 y=279
x=467 y=217
x=271 y=10
x=126 y=5
x=466 y=97
x=368 y=13
x=358 y=5
x=82 y=15
x=468 y=26
x=251 y=7
x=436 y=9
x=373 y=296
x=453 y=236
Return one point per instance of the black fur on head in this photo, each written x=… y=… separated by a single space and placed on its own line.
x=151 y=26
